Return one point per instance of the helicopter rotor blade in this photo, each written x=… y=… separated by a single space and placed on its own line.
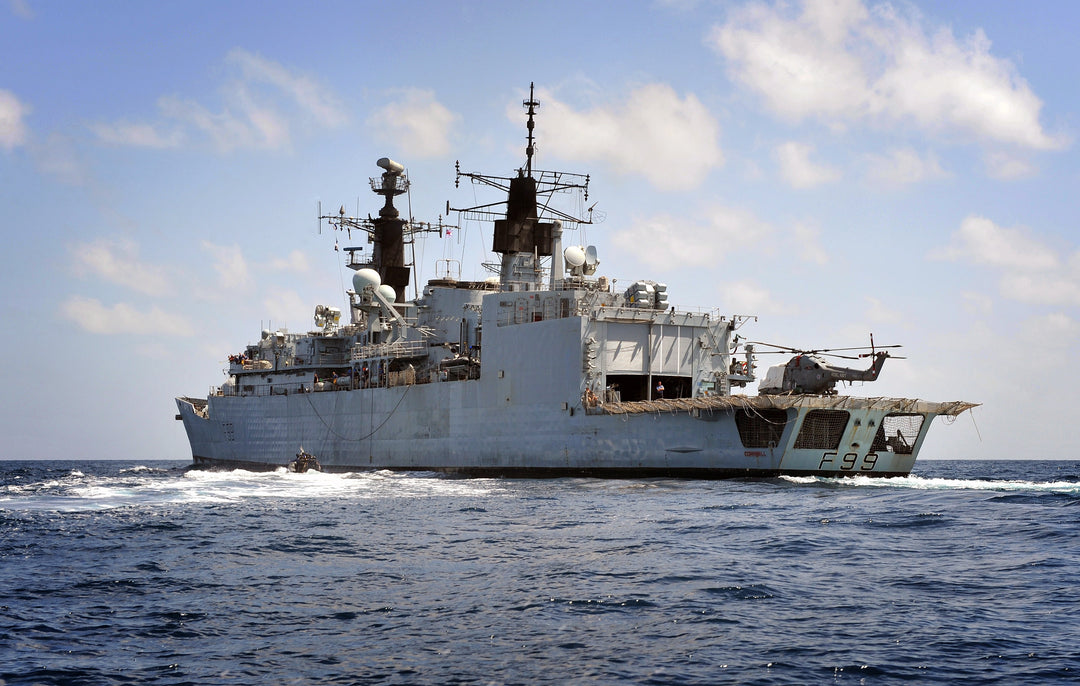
x=807 y=352
x=783 y=348
x=819 y=351
x=863 y=347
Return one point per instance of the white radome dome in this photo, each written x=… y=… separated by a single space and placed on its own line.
x=574 y=255
x=388 y=292
x=364 y=278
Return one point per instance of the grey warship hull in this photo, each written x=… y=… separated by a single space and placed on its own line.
x=545 y=371
x=433 y=428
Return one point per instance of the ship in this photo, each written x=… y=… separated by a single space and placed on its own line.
x=543 y=369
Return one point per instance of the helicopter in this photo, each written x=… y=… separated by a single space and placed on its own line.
x=809 y=373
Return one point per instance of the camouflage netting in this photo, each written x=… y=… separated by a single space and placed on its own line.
x=784 y=402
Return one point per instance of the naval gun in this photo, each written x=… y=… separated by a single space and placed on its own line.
x=808 y=372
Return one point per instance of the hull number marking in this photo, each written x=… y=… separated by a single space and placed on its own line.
x=849 y=461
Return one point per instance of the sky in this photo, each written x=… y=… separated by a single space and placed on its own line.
x=835 y=168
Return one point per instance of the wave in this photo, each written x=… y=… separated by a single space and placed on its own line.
x=943 y=484
x=147 y=486
x=64 y=487
x=143 y=469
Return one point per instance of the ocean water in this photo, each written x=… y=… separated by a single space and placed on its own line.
x=150 y=573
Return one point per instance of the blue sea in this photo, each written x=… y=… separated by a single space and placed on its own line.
x=966 y=572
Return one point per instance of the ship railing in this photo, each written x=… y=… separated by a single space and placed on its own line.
x=250 y=365
x=286 y=388
x=523 y=287
x=322 y=359
x=568 y=283
x=358 y=262
x=389 y=350
x=399 y=184
x=261 y=389
x=347 y=382
x=330 y=359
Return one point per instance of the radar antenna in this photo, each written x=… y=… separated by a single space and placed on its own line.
x=527 y=227
x=530 y=105
x=545 y=184
x=388 y=232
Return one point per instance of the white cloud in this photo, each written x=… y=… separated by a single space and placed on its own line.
x=229 y=263
x=245 y=125
x=262 y=103
x=810 y=250
x=417 y=123
x=1056 y=331
x=878 y=313
x=801 y=67
x=939 y=79
x=669 y=242
x=904 y=167
x=13 y=131
x=978 y=303
x=1003 y=166
x=288 y=308
x=842 y=63
x=671 y=141
x=296 y=261
x=306 y=93
x=137 y=134
x=1042 y=289
x=1030 y=271
x=21 y=8
x=1045 y=344
x=744 y=296
x=798 y=170
x=122 y=318
x=117 y=261
x=58 y=157
x=154 y=351
x=981 y=241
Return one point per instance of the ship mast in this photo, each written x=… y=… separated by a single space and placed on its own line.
x=530 y=106
x=388 y=232
x=528 y=228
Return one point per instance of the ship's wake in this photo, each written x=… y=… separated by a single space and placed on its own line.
x=139 y=486
x=943 y=484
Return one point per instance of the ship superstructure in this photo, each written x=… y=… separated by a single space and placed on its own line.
x=545 y=370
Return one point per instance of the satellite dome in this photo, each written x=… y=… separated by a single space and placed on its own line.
x=364 y=278
x=574 y=255
x=388 y=292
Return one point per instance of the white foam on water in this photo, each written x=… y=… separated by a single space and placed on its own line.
x=146 y=486
x=141 y=469
x=941 y=484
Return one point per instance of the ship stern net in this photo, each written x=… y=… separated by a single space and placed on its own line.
x=785 y=402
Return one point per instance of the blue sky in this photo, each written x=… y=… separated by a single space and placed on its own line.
x=835 y=168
